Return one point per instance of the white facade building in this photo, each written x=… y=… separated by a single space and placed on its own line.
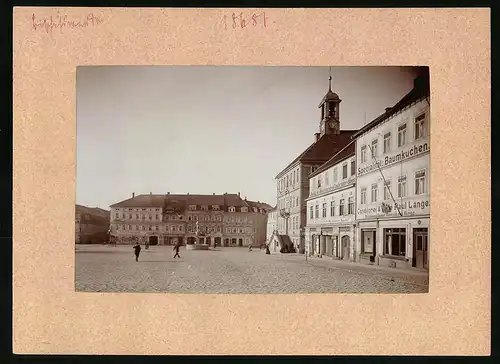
x=331 y=221
x=392 y=187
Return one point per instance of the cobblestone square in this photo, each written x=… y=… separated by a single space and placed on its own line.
x=231 y=270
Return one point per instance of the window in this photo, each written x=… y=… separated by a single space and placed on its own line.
x=420 y=182
x=294 y=176
x=244 y=209
x=402 y=186
x=353 y=167
x=374 y=148
x=149 y=228
x=137 y=216
x=387 y=190
x=420 y=131
x=215 y=207
x=363 y=154
x=401 y=135
x=192 y=207
x=327 y=180
x=124 y=216
x=130 y=216
x=180 y=227
x=204 y=208
x=334 y=175
x=173 y=228
x=395 y=242
x=332 y=208
x=387 y=143
x=231 y=209
x=344 y=171
x=311 y=212
x=363 y=196
x=117 y=215
x=324 y=209
x=319 y=181
x=374 y=193
x=157 y=217
x=316 y=211
x=219 y=218
x=157 y=228
x=350 y=206
x=341 y=207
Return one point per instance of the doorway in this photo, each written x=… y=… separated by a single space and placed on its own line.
x=421 y=248
x=153 y=240
x=346 y=247
x=233 y=242
x=240 y=242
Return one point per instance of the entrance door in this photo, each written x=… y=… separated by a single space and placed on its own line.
x=240 y=242
x=153 y=240
x=345 y=247
x=421 y=248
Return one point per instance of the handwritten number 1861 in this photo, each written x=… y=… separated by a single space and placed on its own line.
x=239 y=21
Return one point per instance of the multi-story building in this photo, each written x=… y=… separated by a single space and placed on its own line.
x=331 y=207
x=226 y=220
x=293 y=181
x=272 y=226
x=392 y=187
x=91 y=225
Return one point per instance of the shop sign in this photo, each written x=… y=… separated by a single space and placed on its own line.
x=407 y=208
x=416 y=150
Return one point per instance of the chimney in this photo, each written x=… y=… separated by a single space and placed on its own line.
x=133 y=194
x=168 y=193
x=316 y=137
x=238 y=194
x=245 y=198
x=187 y=193
x=150 y=193
x=213 y=194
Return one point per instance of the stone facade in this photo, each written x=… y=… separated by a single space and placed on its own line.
x=91 y=225
x=226 y=220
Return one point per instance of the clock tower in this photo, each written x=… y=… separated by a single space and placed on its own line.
x=330 y=123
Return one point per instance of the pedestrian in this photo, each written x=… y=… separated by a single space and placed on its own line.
x=176 y=249
x=137 y=251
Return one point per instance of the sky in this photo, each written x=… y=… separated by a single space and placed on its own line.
x=210 y=129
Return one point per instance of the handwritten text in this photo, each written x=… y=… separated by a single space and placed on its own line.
x=242 y=21
x=62 y=22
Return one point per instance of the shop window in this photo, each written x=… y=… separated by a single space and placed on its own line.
x=395 y=242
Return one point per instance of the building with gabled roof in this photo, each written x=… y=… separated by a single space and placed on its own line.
x=293 y=181
x=91 y=225
x=165 y=219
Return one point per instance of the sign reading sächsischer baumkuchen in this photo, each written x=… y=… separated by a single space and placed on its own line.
x=388 y=160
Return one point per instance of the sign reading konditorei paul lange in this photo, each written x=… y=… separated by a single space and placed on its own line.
x=407 y=208
x=396 y=158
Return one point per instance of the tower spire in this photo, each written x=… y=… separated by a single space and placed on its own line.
x=330 y=80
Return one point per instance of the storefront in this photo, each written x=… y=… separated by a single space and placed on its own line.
x=398 y=243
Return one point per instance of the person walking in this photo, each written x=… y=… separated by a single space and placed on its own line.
x=137 y=251
x=176 y=249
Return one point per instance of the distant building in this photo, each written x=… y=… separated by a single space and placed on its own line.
x=224 y=219
x=293 y=181
x=272 y=226
x=91 y=225
x=392 y=202
x=331 y=207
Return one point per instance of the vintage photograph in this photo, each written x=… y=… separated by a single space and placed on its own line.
x=246 y=179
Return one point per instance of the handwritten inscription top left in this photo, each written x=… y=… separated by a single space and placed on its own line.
x=63 y=22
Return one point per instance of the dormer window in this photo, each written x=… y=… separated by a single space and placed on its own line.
x=231 y=209
x=192 y=207
x=204 y=208
x=215 y=207
x=244 y=209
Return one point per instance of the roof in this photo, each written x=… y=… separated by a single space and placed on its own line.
x=323 y=149
x=420 y=90
x=181 y=201
x=330 y=96
x=94 y=211
x=259 y=205
x=348 y=151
